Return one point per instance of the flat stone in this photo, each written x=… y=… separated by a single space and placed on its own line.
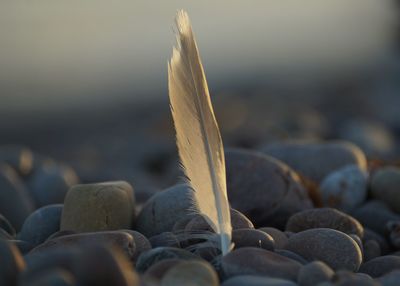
x=333 y=247
x=15 y=201
x=41 y=224
x=324 y=218
x=164 y=209
x=381 y=265
x=314 y=273
x=259 y=262
x=385 y=186
x=316 y=160
x=194 y=273
x=98 y=207
x=264 y=189
x=49 y=183
x=345 y=188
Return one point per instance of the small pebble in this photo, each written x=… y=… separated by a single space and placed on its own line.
x=385 y=187
x=15 y=201
x=252 y=280
x=390 y=279
x=164 y=209
x=239 y=220
x=263 y=188
x=333 y=247
x=149 y=258
x=314 y=273
x=40 y=224
x=155 y=273
x=381 y=265
x=347 y=278
x=345 y=188
x=381 y=240
x=98 y=207
x=11 y=263
x=252 y=238
x=393 y=228
x=194 y=273
x=317 y=160
x=258 y=261
x=324 y=218
x=49 y=183
x=279 y=237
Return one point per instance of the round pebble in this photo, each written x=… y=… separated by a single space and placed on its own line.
x=41 y=224
x=333 y=247
x=314 y=273
x=380 y=265
x=252 y=238
x=164 y=209
x=15 y=201
x=49 y=183
x=385 y=186
x=263 y=188
x=98 y=207
x=324 y=218
x=345 y=188
x=317 y=160
x=194 y=273
x=258 y=261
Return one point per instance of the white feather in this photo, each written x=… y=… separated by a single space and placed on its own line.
x=198 y=138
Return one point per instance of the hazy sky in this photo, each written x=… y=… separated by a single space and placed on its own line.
x=56 y=52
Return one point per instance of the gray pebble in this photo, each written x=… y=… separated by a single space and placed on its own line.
x=239 y=220
x=371 y=250
x=164 y=209
x=317 y=160
x=381 y=240
x=252 y=238
x=15 y=201
x=345 y=188
x=41 y=224
x=313 y=273
x=385 y=186
x=149 y=258
x=98 y=207
x=324 y=218
x=252 y=280
x=333 y=247
x=49 y=183
x=263 y=188
x=347 y=278
x=279 y=237
x=261 y=262
x=380 y=265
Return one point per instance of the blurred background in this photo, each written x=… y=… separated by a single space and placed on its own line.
x=86 y=82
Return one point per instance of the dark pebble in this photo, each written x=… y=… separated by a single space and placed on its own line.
x=380 y=265
x=324 y=218
x=6 y=226
x=11 y=263
x=313 y=273
x=41 y=224
x=164 y=239
x=252 y=238
x=279 y=237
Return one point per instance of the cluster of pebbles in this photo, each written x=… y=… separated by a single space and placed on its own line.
x=302 y=214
